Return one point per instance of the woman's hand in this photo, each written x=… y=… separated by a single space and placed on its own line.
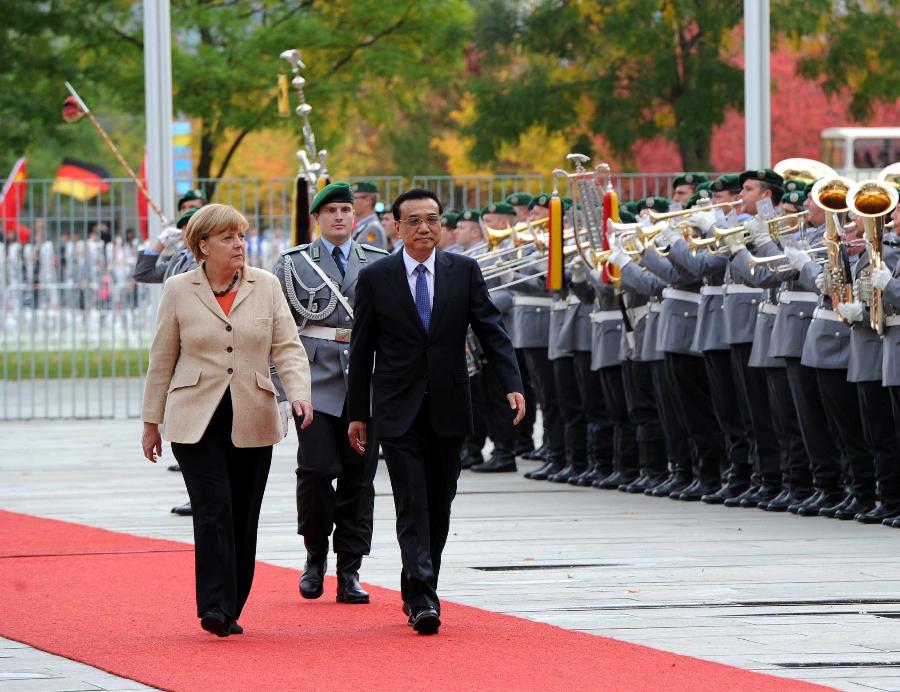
x=151 y=442
x=304 y=411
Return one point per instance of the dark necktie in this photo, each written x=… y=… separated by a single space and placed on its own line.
x=423 y=304
x=338 y=260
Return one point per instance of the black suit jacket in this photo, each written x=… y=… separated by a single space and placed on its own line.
x=408 y=361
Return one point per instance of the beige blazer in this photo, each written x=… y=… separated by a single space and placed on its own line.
x=198 y=353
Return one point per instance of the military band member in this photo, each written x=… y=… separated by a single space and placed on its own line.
x=391 y=231
x=448 y=232
x=168 y=255
x=521 y=202
x=684 y=186
x=319 y=281
x=368 y=228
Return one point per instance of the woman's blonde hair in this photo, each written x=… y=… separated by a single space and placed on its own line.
x=211 y=220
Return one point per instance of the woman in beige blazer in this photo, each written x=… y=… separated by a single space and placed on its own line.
x=208 y=384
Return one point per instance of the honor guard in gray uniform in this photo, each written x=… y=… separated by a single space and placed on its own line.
x=368 y=228
x=521 y=202
x=319 y=280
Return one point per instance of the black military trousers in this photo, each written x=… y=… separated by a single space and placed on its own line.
x=844 y=419
x=881 y=432
x=324 y=457
x=601 y=426
x=687 y=377
x=733 y=417
x=226 y=485
x=568 y=394
x=753 y=402
x=629 y=407
x=821 y=447
x=524 y=431
x=541 y=372
x=474 y=443
x=424 y=469
x=497 y=414
x=796 y=470
x=678 y=445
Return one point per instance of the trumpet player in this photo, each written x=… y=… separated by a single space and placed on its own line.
x=684 y=186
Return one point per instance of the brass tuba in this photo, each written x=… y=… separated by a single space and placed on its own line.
x=830 y=194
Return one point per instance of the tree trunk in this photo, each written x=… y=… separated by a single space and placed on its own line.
x=695 y=148
x=204 y=165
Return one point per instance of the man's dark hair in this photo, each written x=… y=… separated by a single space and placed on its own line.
x=777 y=192
x=415 y=193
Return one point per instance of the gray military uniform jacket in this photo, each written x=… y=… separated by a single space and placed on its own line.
x=606 y=322
x=678 y=319
x=827 y=342
x=155 y=269
x=314 y=304
x=890 y=363
x=643 y=283
x=576 y=327
x=767 y=309
x=709 y=268
x=866 y=351
x=526 y=309
x=369 y=231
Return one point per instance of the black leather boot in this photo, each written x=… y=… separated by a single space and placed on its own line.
x=312 y=581
x=540 y=470
x=348 y=587
x=543 y=474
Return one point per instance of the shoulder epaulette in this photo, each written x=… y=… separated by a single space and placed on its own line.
x=374 y=249
x=296 y=248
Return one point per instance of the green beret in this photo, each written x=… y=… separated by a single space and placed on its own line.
x=689 y=179
x=631 y=207
x=469 y=215
x=520 y=199
x=449 y=218
x=335 y=192
x=730 y=182
x=189 y=196
x=797 y=198
x=658 y=204
x=567 y=203
x=764 y=175
x=184 y=218
x=365 y=186
x=626 y=216
x=794 y=184
x=697 y=197
x=499 y=208
x=542 y=200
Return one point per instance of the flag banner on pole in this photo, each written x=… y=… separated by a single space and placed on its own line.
x=555 y=245
x=80 y=179
x=12 y=196
x=300 y=217
x=142 y=201
x=611 y=273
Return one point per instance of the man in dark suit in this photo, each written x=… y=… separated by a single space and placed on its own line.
x=412 y=312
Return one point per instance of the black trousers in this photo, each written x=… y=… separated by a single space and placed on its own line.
x=678 y=446
x=687 y=377
x=881 y=431
x=733 y=416
x=324 y=456
x=226 y=485
x=624 y=410
x=424 y=469
x=796 y=471
x=541 y=373
x=821 y=447
x=753 y=392
x=498 y=416
x=644 y=420
x=474 y=443
x=568 y=394
x=599 y=417
x=524 y=432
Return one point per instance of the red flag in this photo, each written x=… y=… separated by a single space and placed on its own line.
x=80 y=179
x=12 y=196
x=142 y=201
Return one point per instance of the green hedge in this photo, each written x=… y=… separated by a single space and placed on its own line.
x=71 y=364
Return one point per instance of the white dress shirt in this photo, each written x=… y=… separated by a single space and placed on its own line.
x=412 y=276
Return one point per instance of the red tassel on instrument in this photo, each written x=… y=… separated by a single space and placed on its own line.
x=555 y=245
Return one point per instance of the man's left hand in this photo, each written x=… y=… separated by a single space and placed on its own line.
x=517 y=404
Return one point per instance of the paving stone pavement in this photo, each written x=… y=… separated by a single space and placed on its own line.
x=806 y=598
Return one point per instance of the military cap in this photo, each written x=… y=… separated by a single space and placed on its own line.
x=704 y=187
x=184 y=218
x=626 y=216
x=794 y=184
x=631 y=206
x=689 y=179
x=730 y=182
x=499 y=208
x=796 y=197
x=519 y=199
x=448 y=219
x=469 y=215
x=659 y=204
x=335 y=192
x=189 y=196
x=364 y=186
x=541 y=200
x=763 y=175
x=567 y=203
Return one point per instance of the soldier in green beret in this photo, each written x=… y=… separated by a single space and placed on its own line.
x=468 y=234
x=657 y=204
x=368 y=228
x=448 y=232
x=685 y=185
x=192 y=199
x=794 y=185
x=758 y=185
x=498 y=215
x=538 y=202
x=793 y=202
x=726 y=188
x=521 y=201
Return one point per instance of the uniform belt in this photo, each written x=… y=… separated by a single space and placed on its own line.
x=892 y=320
x=826 y=314
x=678 y=294
x=564 y=303
x=712 y=290
x=328 y=333
x=533 y=301
x=768 y=308
x=797 y=297
x=606 y=315
x=654 y=307
x=728 y=289
x=638 y=313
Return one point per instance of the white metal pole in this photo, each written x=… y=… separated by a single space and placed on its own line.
x=158 y=107
x=757 y=107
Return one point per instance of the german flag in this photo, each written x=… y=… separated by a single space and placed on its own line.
x=80 y=180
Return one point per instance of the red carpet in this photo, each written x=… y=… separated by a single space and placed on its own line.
x=125 y=604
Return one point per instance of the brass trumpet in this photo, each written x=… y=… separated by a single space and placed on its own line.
x=657 y=216
x=522 y=233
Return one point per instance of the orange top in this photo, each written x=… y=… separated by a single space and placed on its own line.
x=226 y=301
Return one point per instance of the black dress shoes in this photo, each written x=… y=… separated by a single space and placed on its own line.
x=175 y=467
x=349 y=589
x=694 y=492
x=763 y=494
x=312 y=581
x=496 y=465
x=672 y=481
x=856 y=508
x=471 y=460
x=547 y=470
x=538 y=454
x=880 y=513
x=215 y=623
x=827 y=499
x=586 y=478
x=812 y=499
x=566 y=472
x=613 y=480
x=426 y=621
x=183 y=510
x=783 y=501
x=235 y=628
x=725 y=493
x=830 y=512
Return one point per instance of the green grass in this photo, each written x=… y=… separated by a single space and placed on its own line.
x=56 y=365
